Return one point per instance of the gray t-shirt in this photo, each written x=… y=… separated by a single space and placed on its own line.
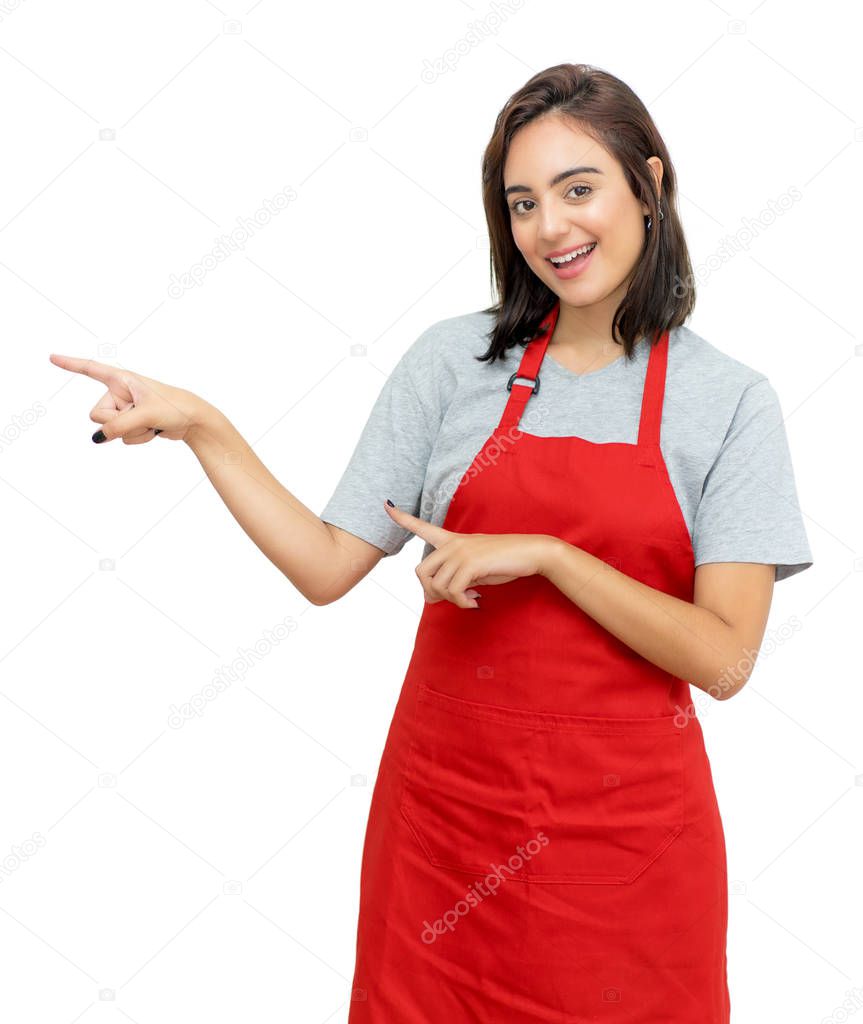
x=722 y=436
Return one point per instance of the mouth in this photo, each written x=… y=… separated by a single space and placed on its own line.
x=567 y=256
x=573 y=263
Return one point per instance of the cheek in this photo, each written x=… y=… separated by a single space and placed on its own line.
x=625 y=228
x=520 y=237
x=524 y=238
x=629 y=242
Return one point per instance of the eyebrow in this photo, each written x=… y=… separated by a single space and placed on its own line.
x=555 y=180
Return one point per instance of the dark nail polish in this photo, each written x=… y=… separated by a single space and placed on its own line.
x=391 y=505
x=99 y=436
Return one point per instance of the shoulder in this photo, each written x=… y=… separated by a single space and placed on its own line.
x=692 y=356
x=445 y=353
x=456 y=336
x=714 y=389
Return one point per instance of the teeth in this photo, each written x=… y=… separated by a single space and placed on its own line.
x=570 y=256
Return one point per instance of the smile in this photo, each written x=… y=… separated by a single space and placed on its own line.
x=571 y=255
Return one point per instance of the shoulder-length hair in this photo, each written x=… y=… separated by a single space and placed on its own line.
x=661 y=294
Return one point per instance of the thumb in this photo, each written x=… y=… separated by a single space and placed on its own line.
x=126 y=422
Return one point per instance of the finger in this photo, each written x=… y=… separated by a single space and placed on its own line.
x=446 y=583
x=458 y=588
x=431 y=563
x=440 y=579
x=435 y=535
x=451 y=581
x=92 y=368
x=108 y=406
x=427 y=570
x=156 y=430
x=130 y=423
x=142 y=438
x=133 y=435
x=430 y=596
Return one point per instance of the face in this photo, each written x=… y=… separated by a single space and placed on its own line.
x=568 y=191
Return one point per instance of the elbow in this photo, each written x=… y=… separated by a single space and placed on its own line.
x=729 y=691
x=721 y=688
x=315 y=597
x=320 y=600
x=728 y=679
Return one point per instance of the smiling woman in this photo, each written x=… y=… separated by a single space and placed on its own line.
x=604 y=518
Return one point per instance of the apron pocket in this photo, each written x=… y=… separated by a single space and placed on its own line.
x=540 y=796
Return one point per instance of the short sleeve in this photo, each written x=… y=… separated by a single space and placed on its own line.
x=391 y=457
x=748 y=510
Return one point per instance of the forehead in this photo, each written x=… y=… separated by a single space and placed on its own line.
x=549 y=145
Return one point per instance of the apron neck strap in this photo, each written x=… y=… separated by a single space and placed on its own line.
x=528 y=372
x=654 y=392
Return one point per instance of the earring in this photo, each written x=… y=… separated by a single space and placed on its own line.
x=650 y=219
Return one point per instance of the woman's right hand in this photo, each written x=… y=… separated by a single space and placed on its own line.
x=135 y=407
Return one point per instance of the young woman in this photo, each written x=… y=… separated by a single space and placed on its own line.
x=544 y=837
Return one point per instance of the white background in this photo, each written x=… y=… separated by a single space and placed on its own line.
x=211 y=872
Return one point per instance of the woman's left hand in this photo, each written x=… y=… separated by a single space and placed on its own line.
x=465 y=559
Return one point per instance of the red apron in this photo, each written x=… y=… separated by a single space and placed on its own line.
x=544 y=842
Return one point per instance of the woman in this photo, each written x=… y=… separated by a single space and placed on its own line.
x=544 y=837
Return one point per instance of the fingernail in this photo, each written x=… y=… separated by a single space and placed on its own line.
x=391 y=505
x=99 y=436
x=473 y=593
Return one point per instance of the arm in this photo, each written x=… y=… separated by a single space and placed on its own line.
x=706 y=642
x=322 y=561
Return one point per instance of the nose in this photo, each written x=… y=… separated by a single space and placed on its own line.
x=555 y=221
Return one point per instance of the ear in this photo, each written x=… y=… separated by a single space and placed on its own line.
x=656 y=169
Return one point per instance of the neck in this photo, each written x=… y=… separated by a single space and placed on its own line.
x=586 y=330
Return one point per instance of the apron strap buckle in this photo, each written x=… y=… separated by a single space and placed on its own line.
x=517 y=374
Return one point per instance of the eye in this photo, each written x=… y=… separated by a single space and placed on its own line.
x=572 y=188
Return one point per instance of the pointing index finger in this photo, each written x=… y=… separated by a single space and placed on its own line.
x=435 y=535
x=89 y=367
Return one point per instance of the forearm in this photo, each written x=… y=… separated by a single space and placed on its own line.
x=690 y=642
x=294 y=539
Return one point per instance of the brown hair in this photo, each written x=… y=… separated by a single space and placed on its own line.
x=661 y=293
